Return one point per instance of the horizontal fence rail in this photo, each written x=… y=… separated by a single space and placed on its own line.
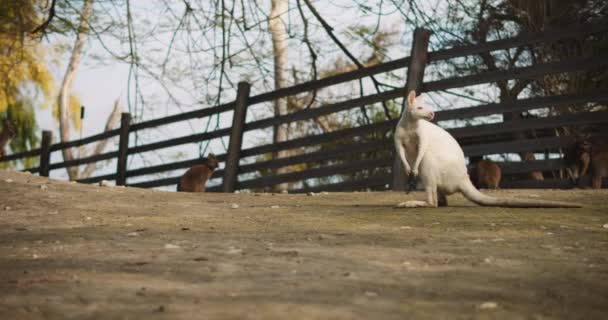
x=347 y=152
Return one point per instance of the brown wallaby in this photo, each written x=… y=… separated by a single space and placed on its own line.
x=587 y=156
x=485 y=174
x=8 y=132
x=195 y=179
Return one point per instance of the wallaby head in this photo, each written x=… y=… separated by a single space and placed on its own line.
x=416 y=110
x=577 y=158
x=212 y=161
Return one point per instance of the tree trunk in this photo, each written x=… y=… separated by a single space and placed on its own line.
x=277 y=29
x=64 y=92
x=101 y=145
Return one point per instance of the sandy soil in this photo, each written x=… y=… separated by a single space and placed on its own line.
x=72 y=251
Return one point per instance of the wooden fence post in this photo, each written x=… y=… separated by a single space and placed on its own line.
x=45 y=153
x=233 y=156
x=123 y=148
x=415 y=75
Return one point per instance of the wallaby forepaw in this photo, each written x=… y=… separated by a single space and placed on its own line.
x=412 y=204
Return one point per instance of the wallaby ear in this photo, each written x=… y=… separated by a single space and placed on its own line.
x=411 y=98
x=211 y=155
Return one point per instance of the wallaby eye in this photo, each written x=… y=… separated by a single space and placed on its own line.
x=419 y=108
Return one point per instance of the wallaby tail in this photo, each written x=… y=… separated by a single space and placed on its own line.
x=471 y=193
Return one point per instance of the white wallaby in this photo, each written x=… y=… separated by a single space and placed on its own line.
x=431 y=153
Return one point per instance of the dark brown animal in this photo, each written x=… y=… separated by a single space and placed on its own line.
x=8 y=132
x=587 y=156
x=486 y=174
x=195 y=179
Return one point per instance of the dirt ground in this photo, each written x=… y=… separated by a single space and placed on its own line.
x=72 y=251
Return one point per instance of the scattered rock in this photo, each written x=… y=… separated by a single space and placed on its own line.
x=233 y=250
x=237 y=191
x=133 y=234
x=370 y=294
x=8 y=180
x=185 y=229
x=89 y=218
x=605 y=226
x=533 y=196
x=311 y=194
x=104 y=183
x=274 y=207
x=405 y=227
x=43 y=187
x=7 y=208
x=234 y=206
x=324 y=192
x=284 y=191
x=488 y=305
x=172 y=246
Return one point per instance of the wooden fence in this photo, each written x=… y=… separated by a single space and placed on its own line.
x=477 y=140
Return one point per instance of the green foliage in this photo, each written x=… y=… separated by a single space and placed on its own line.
x=22 y=64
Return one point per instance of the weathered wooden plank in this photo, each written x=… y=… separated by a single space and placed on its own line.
x=123 y=148
x=572 y=65
x=547 y=36
x=179 y=141
x=45 y=152
x=170 y=166
x=322 y=155
x=513 y=167
x=330 y=81
x=326 y=109
x=83 y=141
x=320 y=138
x=201 y=113
x=81 y=161
x=24 y=154
x=236 y=138
x=523 y=105
x=518 y=146
x=530 y=124
x=315 y=173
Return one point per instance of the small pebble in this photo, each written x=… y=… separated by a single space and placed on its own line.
x=371 y=294
x=311 y=194
x=7 y=208
x=324 y=192
x=43 y=187
x=104 y=183
x=274 y=207
x=172 y=246
x=605 y=226
x=8 y=180
x=284 y=191
x=488 y=305
x=133 y=234
x=234 y=206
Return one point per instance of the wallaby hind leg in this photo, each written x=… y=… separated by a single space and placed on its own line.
x=596 y=183
x=442 y=199
x=432 y=199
